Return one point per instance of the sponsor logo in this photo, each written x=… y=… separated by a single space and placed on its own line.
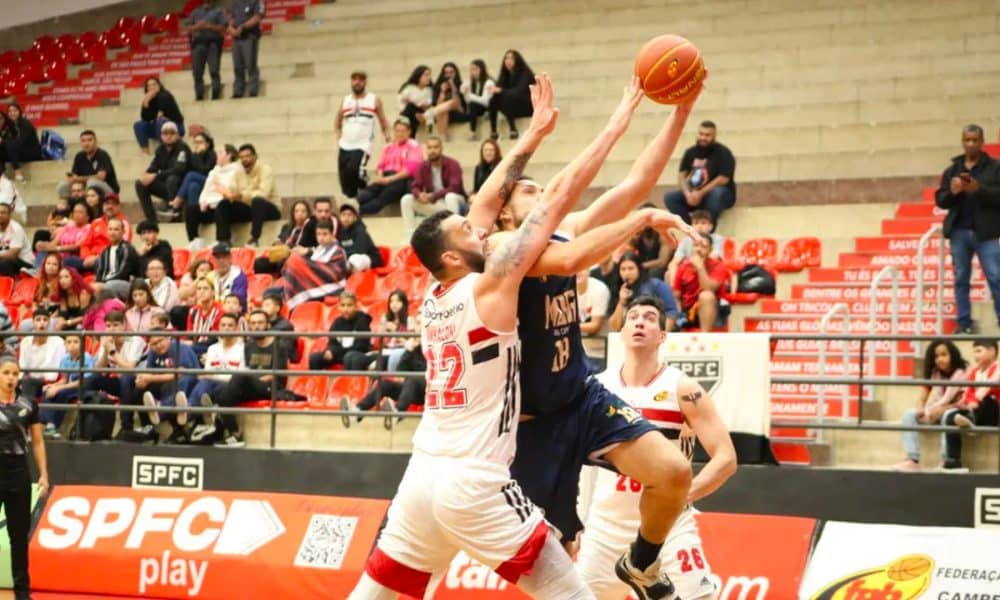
x=988 y=507
x=706 y=371
x=905 y=578
x=661 y=396
x=167 y=472
x=742 y=588
x=468 y=574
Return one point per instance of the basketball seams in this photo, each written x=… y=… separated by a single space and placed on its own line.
x=662 y=54
x=666 y=58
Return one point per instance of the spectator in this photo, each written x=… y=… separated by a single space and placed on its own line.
x=21 y=144
x=15 y=250
x=355 y=130
x=489 y=158
x=449 y=103
x=636 y=282
x=942 y=361
x=397 y=394
x=8 y=335
x=203 y=318
x=161 y=320
x=165 y=173
x=163 y=288
x=47 y=289
x=38 y=353
x=399 y=162
x=68 y=240
x=231 y=304
x=200 y=208
x=245 y=17
x=141 y=307
x=352 y=234
x=6 y=132
x=98 y=239
x=252 y=197
x=395 y=320
x=75 y=297
x=437 y=186
x=66 y=389
x=706 y=177
x=343 y=348
x=701 y=222
x=153 y=248
x=416 y=96
x=117 y=352
x=105 y=302
x=201 y=163
x=607 y=273
x=119 y=262
x=653 y=251
x=702 y=282
x=77 y=192
x=206 y=30
x=593 y=301
x=512 y=94
x=198 y=269
x=970 y=191
x=158 y=109
x=979 y=404
x=271 y=305
x=260 y=355
x=92 y=167
x=293 y=237
x=320 y=274
x=228 y=354
x=166 y=388
x=229 y=278
x=478 y=92
x=58 y=217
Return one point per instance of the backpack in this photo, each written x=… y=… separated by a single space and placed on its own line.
x=756 y=279
x=53 y=145
x=95 y=425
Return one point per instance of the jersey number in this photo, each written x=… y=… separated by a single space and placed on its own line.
x=687 y=557
x=561 y=358
x=627 y=484
x=448 y=366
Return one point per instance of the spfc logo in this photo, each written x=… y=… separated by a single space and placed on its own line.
x=706 y=371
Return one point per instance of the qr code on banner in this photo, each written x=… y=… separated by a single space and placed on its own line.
x=326 y=541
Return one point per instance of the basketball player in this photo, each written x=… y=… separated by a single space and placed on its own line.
x=457 y=492
x=355 y=128
x=669 y=399
x=568 y=418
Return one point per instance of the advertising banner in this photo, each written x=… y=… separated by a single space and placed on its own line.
x=897 y=562
x=212 y=544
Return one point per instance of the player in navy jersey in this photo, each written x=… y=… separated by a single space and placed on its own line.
x=568 y=418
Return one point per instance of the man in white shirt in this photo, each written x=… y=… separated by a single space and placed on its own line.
x=15 y=250
x=355 y=128
x=221 y=357
x=39 y=352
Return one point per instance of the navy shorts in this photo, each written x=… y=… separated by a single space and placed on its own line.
x=552 y=449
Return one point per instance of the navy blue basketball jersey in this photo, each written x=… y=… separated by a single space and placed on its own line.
x=554 y=365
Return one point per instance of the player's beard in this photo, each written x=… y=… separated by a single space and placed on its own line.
x=476 y=261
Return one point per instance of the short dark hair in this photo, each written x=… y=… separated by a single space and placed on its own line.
x=973 y=128
x=707 y=237
x=701 y=215
x=41 y=312
x=401 y=120
x=228 y=296
x=707 y=124
x=985 y=343
x=232 y=316
x=147 y=225
x=433 y=138
x=429 y=241
x=650 y=300
x=248 y=147
x=258 y=311
x=114 y=316
x=323 y=200
x=273 y=297
x=348 y=295
x=326 y=224
x=231 y=151
x=89 y=132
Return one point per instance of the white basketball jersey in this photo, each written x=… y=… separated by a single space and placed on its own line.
x=614 y=504
x=358 y=127
x=472 y=399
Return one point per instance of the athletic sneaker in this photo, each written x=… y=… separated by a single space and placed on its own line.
x=50 y=432
x=345 y=404
x=206 y=417
x=150 y=402
x=952 y=466
x=388 y=406
x=179 y=436
x=963 y=421
x=233 y=440
x=181 y=400
x=648 y=584
x=148 y=433
x=200 y=432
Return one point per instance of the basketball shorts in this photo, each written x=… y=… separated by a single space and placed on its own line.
x=444 y=505
x=682 y=559
x=552 y=449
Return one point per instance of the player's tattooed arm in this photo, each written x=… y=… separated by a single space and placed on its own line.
x=509 y=255
x=693 y=397
x=514 y=172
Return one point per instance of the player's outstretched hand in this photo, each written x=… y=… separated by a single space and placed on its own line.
x=545 y=114
x=663 y=221
x=692 y=98
x=631 y=98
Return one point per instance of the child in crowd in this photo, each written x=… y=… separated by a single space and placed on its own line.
x=978 y=405
x=231 y=305
x=38 y=353
x=66 y=389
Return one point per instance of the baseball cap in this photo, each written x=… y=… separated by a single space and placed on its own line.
x=169 y=126
x=221 y=249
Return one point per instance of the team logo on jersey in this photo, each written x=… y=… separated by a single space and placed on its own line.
x=706 y=371
x=661 y=396
x=905 y=578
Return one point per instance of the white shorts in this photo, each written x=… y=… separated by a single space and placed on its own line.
x=446 y=505
x=682 y=559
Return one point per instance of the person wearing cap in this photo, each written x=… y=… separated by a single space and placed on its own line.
x=158 y=108
x=162 y=178
x=398 y=164
x=206 y=29
x=96 y=239
x=118 y=263
x=229 y=278
x=153 y=247
x=362 y=253
x=355 y=130
x=252 y=197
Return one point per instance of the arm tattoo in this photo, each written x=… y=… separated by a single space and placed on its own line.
x=510 y=254
x=693 y=397
x=514 y=172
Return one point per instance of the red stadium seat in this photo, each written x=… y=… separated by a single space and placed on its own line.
x=150 y=24
x=396 y=280
x=66 y=40
x=308 y=316
x=758 y=251
x=124 y=23
x=800 y=253
x=182 y=258
x=353 y=387
x=256 y=286
x=45 y=41
x=204 y=254
x=170 y=23
x=386 y=253
x=243 y=258
x=24 y=292
x=88 y=38
x=362 y=284
x=6 y=286
x=313 y=388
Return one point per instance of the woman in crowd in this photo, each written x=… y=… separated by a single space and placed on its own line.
x=158 y=107
x=200 y=208
x=47 y=289
x=478 y=92
x=141 y=306
x=201 y=163
x=20 y=428
x=5 y=133
x=93 y=199
x=512 y=94
x=69 y=237
x=204 y=316
x=198 y=269
x=293 y=233
x=106 y=301
x=416 y=99
x=489 y=158
x=394 y=321
x=942 y=362
x=75 y=296
x=163 y=288
x=397 y=394
x=21 y=143
x=637 y=282
x=449 y=103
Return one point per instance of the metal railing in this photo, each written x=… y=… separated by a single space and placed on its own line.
x=918 y=301
x=893 y=273
x=841 y=309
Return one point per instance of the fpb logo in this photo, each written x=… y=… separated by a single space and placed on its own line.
x=706 y=371
x=167 y=472
x=905 y=578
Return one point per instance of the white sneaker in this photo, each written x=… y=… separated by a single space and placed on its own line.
x=150 y=402
x=196 y=244
x=207 y=418
x=181 y=400
x=389 y=406
x=345 y=404
x=232 y=441
x=200 y=432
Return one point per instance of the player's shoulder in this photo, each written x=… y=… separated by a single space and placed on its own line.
x=608 y=378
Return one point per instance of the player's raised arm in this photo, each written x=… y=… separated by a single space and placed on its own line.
x=699 y=411
x=498 y=186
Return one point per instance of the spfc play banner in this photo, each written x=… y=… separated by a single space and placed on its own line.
x=735 y=370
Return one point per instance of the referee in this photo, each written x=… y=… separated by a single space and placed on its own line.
x=19 y=426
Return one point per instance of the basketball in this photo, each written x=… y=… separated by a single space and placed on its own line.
x=908 y=567
x=669 y=67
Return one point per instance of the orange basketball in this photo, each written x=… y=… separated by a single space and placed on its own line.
x=908 y=567
x=669 y=68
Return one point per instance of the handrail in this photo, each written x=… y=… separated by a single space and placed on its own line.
x=838 y=308
x=919 y=300
x=893 y=272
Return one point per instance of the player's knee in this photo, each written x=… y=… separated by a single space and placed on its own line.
x=707 y=296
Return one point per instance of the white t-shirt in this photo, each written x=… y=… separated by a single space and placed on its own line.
x=15 y=237
x=686 y=247
x=48 y=355
x=422 y=97
x=595 y=302
x=224 y=174
x=220 y=360
x=358 y=129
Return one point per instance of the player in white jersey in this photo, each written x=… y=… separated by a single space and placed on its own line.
x=457 y=493
x=355 y=129
x=679 y=406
